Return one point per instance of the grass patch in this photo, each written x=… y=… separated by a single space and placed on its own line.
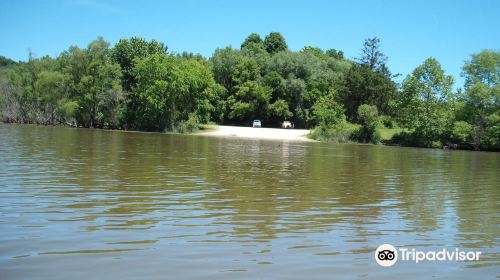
x=387 y=133
x=207 y=127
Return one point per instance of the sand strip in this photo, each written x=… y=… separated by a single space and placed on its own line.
x=258 y=133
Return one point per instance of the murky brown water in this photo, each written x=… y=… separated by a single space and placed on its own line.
x=93 y=204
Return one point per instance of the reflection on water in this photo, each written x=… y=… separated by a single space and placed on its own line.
x=81 y=203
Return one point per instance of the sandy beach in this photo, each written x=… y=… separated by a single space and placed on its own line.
x=258 y=133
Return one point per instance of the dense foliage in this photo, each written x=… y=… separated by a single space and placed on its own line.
x=137 y=84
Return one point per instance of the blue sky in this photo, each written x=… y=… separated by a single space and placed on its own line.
x=410 y=31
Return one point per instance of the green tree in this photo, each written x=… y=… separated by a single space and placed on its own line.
x=224 y=63
x=250 y=102
x=275 y=42
x=171 y=90
x=426 y=104
x=4 y=61
x=373 y=57
x=280 y=111
x=95 y=84
x=277 y=84
x=330 y=121
x=253 y=38
x=368 y=118
x=362 y=85
x=99 y=88
x=52 y=87
x=482 y=98
x=251 y=99
x=335 y=54
x=127 y=50
x=327 y=111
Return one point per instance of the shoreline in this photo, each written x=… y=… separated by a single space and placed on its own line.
x=239 y=132
x=261 y=133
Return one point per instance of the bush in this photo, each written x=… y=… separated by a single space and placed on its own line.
x=192 y=124
x=461 y=132
x=413 y=139
x=405 y=138
x=388 y=121
x=368 y=118
x=364 y=135
x=338 y=133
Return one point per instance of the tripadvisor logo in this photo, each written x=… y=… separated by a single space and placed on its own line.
x=387 y=255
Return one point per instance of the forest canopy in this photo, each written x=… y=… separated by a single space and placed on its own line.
x=139 y=85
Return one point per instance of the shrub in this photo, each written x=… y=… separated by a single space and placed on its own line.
x=461 y=132
x=368 y=118
x=339 y=133
x=192 y=124
x=388 y=121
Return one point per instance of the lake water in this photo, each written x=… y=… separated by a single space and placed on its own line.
x=96 y=204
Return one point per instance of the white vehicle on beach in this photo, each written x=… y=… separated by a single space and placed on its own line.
x=286 y=124
x=256 y=123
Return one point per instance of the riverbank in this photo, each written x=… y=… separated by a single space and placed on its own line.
x=257 y=133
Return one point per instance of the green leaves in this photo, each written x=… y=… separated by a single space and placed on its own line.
x=327 y=111
x=138 y=85
x=52 y=86
x=427 y=102
x=126 y=51
x=275 y=42
x=170 y=89
x=482 y=99
x=368 y=118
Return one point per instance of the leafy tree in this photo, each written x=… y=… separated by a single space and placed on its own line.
x=482 y=98
x=127 y=50
x=251 y=99
x=461 y=132
x=331 y=124
x=372 y=56
x=253 y=38
x=275 y=42
x=280 y=111
x=362 y=85
x=277 y=84
x=224 y=63
x=327 y=111
x=137 y=85
x=368 y=118
x=52 y=87
x=246 y=70
x=427 y=101
x=170 y=91
x=335 y=54
x=99 y=88
x=4 y=61
x=250 y=102
x=317 y=52
x=483 y=67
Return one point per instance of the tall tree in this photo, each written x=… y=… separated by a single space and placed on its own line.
x=251 y=99
x=426 y=105
x=482 y=98
x=127 y=50
x=372 y=56
x=95 y=84
x=365 y=86
x=170 y=89
x=253 y=38
x=52 y=87
x=275 y=42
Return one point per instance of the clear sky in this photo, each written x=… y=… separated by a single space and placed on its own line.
x=410 y=31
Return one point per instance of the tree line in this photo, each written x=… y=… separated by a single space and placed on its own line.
x=139 y=85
